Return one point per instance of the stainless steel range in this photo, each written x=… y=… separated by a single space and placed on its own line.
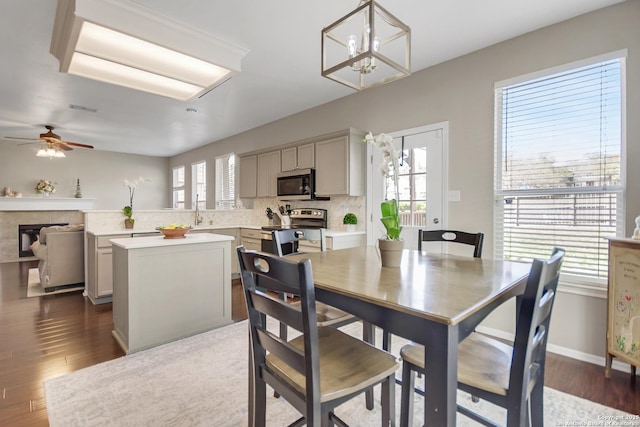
x=299 y=218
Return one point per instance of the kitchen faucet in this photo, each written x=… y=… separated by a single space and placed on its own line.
x=198 y=220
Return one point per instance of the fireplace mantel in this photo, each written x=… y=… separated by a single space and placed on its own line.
x=45 y=203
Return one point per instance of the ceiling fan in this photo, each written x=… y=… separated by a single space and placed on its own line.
x=54 y=143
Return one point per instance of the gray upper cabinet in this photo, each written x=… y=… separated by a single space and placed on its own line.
x=248 y=177
x=268 y=170
x=340 y=167
x=300 y=157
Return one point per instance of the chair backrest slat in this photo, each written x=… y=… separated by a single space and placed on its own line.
x=288 y=313
x=290 y=355
x=474 y=239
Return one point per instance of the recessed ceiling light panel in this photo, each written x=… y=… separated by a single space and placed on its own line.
x=127 y=44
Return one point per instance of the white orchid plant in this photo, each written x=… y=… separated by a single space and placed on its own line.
x=131 y=185
x=389 y=167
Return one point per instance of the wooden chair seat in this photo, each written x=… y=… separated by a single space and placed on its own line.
x=483 y=362
x=342 y=371
x=330 y=316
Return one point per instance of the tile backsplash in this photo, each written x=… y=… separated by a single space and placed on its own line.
x=113 y=220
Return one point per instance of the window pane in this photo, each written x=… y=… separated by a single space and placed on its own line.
x=558 y=157
x=225 y=182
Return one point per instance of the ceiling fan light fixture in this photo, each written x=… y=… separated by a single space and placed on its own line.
x=368 y=47
x=42 y=152
x=59 y=154
x=145 y=50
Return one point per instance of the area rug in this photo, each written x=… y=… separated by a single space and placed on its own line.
x=202 y=381
x=35 y=289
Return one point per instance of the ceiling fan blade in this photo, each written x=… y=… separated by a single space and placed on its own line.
x=22 y=139
x=77 y=144
x=63 y=146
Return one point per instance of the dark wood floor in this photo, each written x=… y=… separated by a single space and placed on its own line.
x=45 y=337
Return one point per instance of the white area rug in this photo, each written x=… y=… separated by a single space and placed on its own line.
x=202 y=381
x=35 y=289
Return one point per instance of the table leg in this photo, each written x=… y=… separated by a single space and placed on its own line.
x=441 y=379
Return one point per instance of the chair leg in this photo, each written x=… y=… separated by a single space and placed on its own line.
x=283 y=335
x=536 y=405
x=388 y=399
x=406 y=398
x=368 y=336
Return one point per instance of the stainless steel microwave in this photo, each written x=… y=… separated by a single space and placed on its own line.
x=297 y=184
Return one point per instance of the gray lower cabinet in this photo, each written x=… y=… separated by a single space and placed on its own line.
x=99 y=280
x=251 y=239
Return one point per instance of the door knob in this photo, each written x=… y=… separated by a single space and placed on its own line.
x=436 y=220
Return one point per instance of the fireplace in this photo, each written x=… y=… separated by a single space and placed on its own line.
x=27 y=234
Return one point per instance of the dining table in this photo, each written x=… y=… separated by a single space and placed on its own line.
x=433 y=299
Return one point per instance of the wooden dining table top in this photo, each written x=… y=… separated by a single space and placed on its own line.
x=438 y=287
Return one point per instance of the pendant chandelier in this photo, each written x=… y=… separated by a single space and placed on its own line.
x=368 y=47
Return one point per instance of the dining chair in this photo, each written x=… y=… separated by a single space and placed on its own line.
x=326 y=314
x=321 y=368
x=507 y=375
x=463 y=237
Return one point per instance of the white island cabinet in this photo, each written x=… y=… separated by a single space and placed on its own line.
x=167 y=289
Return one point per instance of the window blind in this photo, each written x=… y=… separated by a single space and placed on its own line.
x=226 y=182
x=199 y=183
x=558 y=167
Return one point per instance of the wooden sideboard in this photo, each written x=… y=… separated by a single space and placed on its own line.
x=623 y=307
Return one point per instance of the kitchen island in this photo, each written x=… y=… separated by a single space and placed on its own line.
x=167 y=289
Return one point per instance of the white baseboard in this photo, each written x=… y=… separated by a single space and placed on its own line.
x=564 y=351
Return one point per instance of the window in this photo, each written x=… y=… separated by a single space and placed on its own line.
x=199 y=184
x=412 y=185
x=178 y=187
x=558 y=178
x=226 y=182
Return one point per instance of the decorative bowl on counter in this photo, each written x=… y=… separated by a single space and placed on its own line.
x=174 y=231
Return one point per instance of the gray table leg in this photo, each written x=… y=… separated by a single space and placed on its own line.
x=441 y=379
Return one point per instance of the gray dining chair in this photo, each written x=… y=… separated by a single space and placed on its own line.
x=508 y=375
x=474 y=239
x=321 y=368
x=326 y=314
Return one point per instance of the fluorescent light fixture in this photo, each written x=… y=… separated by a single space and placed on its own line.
x=124 y=43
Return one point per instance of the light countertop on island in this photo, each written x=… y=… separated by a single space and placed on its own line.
x=157 y=241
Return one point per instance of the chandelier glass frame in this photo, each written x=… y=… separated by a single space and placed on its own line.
x=369 y=64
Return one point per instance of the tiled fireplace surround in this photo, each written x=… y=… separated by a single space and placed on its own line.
x=112 y=220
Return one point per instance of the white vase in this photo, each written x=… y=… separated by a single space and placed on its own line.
x=391 y=252
x=351 y=227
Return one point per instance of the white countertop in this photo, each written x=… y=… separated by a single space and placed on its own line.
x=334 y=233
x=156 y=241
x=130 y=231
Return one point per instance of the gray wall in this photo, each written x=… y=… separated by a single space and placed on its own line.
x=101 y=175
x=460 y=91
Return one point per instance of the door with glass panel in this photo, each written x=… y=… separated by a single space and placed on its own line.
x=421 y=183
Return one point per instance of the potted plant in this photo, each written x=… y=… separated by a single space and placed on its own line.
x=128 y=210
x=391 y=245
x=350 y=220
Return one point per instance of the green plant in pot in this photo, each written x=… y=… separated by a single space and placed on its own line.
x=128 y=210
x=391 y=245
x=350 y=220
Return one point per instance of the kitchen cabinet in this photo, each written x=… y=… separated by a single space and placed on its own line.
x=623 y=308
x=345 y=241
x=167 y=289
x=251 y=239
x=248 y=177
x=99 y=280
x=340 y=167
x=233 y=232
x=299 y=157
x=268 y=170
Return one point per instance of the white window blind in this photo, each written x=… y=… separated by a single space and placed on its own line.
x=178 y=187
x=226 y=181
x=558 y=167
x=199 y=184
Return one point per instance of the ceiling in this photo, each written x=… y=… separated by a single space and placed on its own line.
x=280 y=74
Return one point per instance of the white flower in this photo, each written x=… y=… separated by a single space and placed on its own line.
x=45 y=186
